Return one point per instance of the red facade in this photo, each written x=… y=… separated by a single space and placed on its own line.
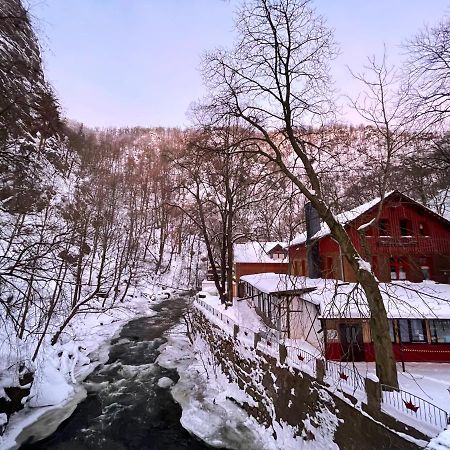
x=402 y=352
x=408 y=242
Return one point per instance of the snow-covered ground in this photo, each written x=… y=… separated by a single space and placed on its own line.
x=60 y=371
x=206 y=398
x=430 y=381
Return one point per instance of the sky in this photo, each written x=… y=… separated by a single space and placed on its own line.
x=136 y=62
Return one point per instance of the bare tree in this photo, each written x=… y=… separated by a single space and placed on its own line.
x=275 y=81
x=428 y=69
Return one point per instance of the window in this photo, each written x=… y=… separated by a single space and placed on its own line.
x=398 y=268
x=425 y=267
x=405 y=227
x=423 y=229
x=384 y=227
x=260 y=301
x=412 y=330
x=440 y=331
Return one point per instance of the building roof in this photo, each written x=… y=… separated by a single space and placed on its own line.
x=338 y=299
x=275 y=283
x=256 y=252
x=402 y=299
x=347 y=217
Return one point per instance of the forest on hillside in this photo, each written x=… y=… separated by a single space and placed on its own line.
x=86 y=213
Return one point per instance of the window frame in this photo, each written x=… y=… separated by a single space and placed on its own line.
x=398 y=262
x=384 y=228
x=410 y=331
x=406 y=228
x=433 y=335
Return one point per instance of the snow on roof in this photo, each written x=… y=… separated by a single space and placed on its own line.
x=348 y=216
x=251 y=252
x=272 y=283
x=343 y=218
x=402 y=299
x=337 y=299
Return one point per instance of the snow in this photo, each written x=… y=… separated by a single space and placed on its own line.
x=42 y=421
x=165 y=382
x=402 y=299
x=208 y=401
x=50 y=386
x=256 y=252
x=364 y=265
x=271 y=283
x=343 y=218
x=441 y=442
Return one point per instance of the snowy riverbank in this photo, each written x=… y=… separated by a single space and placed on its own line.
x=60 y=370
x=209 y=402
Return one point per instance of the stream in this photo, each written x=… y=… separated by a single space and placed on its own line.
x=129 y=404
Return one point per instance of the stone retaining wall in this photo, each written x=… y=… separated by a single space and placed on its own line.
x=286 y=395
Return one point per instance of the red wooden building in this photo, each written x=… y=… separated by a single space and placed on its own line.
x=259 y=257
x=409 y=242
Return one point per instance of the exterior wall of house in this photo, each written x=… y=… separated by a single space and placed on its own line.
x=409 y=243
x=298 y=260
x=408 y=238
x=254 y=268
x=304 y=322
x=291 y=316
x=426 y=351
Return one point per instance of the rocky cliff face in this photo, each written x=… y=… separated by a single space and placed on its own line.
x=30 y=145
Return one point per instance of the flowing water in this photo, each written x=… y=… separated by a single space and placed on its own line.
x=125 y=407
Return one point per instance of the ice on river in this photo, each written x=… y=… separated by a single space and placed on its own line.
x=208 y=411
x=165 y=382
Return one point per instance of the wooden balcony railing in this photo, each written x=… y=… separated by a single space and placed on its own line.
x=425 y=245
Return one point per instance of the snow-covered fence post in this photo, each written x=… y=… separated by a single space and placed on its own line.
x=283 y=353
x=320 y=370
x=257 y=338
x=373 y=391
x=235 y=331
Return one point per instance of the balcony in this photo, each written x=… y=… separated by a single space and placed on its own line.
x=409 y=245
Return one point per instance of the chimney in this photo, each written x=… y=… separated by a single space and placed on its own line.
x=312 y=248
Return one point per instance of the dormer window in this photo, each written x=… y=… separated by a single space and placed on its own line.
x=405 y=228
x=423 y=229
x=384 y=227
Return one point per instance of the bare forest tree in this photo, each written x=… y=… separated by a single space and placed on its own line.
x=220 y=188
x=275 y=81
x=428 y=71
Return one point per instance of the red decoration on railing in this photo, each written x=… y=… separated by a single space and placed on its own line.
x=343 y=376
x=410 y=405
x=300 y=357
